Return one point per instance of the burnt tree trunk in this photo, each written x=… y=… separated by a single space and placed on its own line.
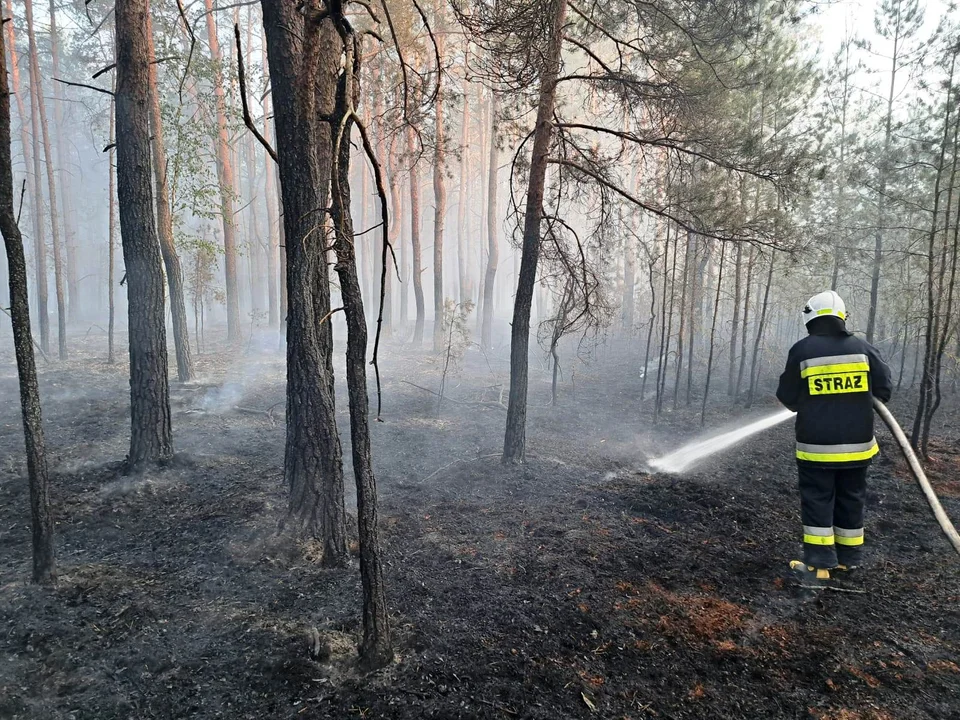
x=44 y=565
x=375 y=649
x=304 y=55
x=273 y=231
x=713 y=335
x=171 y=261
x=111 y=236
x=151 y=438
x=514 y=442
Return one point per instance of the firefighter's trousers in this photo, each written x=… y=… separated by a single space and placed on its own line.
x=831 y=508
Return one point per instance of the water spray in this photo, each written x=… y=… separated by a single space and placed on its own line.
x=692 y=453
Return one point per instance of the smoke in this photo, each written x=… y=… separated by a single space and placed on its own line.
x=693 y=453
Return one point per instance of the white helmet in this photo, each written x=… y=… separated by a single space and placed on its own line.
x=825 y=303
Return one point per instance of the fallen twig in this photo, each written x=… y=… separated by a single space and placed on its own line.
x=461 y=460
x=35 y=343
x=501 y=708
x=457 y=402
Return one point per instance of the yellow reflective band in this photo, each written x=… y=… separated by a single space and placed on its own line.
x=837 y=457
x=849 y=541
x=830 y=311
x=834 y=369
x=818 y=539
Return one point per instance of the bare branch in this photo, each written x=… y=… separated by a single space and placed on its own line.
x=83 y=85
x=243 y=99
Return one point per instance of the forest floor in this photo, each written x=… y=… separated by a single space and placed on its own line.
x=575 y=586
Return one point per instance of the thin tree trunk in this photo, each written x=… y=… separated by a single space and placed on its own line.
x=754 y=366
x=36 y=89
x=375 y=650
x=112 y=234
x=668 y=335
x=737 y=269
x=73 y=290
x=493 y=250
x=463 y=251
x=514 y=443
x=653 y=320
x=440 y=202
x=415 y=238
x=150 y=438
x=44 y=564
x=713 y=335
x=273 y=221
x=746 y=317
x=171 y=261
x=683 y=319
x=225 y=181
x=39 y=245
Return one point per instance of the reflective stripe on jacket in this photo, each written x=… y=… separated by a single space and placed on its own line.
x=830 y=380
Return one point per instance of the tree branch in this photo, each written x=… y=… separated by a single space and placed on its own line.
x=82 y=85
x=243 y=100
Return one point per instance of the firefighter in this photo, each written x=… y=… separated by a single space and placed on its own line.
x=829 y=381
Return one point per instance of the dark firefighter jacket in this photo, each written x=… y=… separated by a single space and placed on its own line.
x=830 y=380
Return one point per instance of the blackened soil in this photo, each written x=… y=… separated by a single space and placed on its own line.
x=574 y=586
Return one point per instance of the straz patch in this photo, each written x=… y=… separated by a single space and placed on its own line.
x=851 y=382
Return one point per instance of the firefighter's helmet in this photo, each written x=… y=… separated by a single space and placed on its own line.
x=824 y=304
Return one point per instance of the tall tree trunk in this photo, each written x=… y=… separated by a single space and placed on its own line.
x=687 y=259
x=111 y=234
x=70 y=240
x=746 y=317
x=273 y=230
x=304 y=56
x=44 y=565
x=737 y=269
x=412 y=151
x=225 y=180
x=754 y=363
x=440 y=204
x=713 y=335
x=171 y=261
x=653 y=319
x=493 y=248
x=39 y=245
x=151 y=438
x=514 y=442
x=668 y=330
x=375 y=650
x=36 y=90
x=463 y=243
x=882 y=189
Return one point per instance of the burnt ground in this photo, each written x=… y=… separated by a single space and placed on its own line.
x=575 y=586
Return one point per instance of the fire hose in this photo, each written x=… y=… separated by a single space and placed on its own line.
x=948 y=529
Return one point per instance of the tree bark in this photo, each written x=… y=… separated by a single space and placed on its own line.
x=225 y=180
x=493 y=250
x=111 y=235
x=40 y=247
x=171 y=261
x=375 y=650
x=514 y=442
x=151 y=437
x=440 y=203
x=415 y=237
x=36 y=91
x=463 y=257
x=44 y=564
x=304 y=55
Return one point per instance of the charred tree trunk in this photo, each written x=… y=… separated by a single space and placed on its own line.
x=493 y=249
x=687 y=259
x=415 y=237
x=44 y=566
x=746 y=317
x=225 y=180
x=514 y=443
x=375 y=650
x=304 y=54
x=653 y=320
x=36 y=90
x=738 y=266
x=150 y=438
x=171 y=261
